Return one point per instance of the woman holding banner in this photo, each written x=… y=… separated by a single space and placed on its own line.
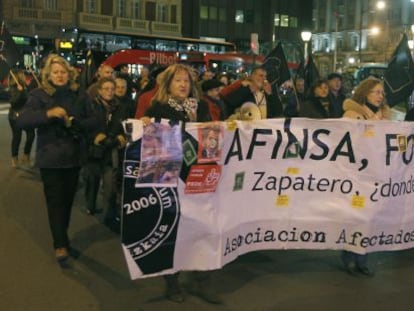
x=367 y=103
x=177 y=100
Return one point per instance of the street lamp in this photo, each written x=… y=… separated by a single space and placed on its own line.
x=381 y=5
x=306 y=36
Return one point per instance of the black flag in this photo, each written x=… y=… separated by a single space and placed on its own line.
x=399 y=76
x=9 y=53
x=88 y=71
x=276 y=66
x=308 y=70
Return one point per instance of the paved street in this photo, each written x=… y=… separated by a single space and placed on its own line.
x=98 y=278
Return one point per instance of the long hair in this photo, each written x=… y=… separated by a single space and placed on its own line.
x=164 y=81
x=363 y=89
x=56 y=59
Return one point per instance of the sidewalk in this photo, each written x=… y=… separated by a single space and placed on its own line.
x=4 y=106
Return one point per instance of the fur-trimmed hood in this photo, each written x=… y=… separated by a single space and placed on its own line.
x=354 y=110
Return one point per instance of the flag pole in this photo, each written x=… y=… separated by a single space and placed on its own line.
x=34 y=76
x=296 y=96
x=15 y=79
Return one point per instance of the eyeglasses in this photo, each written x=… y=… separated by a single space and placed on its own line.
x=108 y=89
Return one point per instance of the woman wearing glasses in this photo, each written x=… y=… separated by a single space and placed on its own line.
x=105 y=144
x=367 y=103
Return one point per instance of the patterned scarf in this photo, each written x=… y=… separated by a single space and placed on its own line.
x=189 y=106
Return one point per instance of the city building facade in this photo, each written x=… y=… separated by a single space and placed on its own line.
x=229 y=20
x=44 y=20
x=236 y=20
x=349 y=33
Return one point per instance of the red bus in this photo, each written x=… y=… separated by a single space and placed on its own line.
x=232 y=63
x=226 y=62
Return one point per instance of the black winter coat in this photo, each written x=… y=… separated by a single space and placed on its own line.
x=236 y=98
x=58 y=146
x=164 y=111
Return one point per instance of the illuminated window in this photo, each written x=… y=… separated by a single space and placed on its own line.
x=277 y=19
x=204 y=12
x=239 y=18
x=284 y=21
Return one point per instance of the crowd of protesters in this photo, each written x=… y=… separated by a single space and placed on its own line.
x=80 y=135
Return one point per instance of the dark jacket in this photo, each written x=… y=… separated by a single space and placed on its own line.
x=313 y=108
x=109 y=123
x=17 y=101
x=293 y=104
x=165 y=111
x=58 y=146
x=215 y=107
x=337 y=103
x=129 y=104
x=242 y=94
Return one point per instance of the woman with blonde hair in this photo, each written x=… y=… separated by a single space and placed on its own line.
x=367 y=103
x=18 y=98
x=53 y=110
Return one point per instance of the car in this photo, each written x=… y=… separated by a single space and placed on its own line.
x=370 y=69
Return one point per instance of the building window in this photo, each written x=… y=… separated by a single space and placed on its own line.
x=91 y=6
x=51 y=5
x=277 y=19
x=355 y=42
x=284 y=21
x=222 y=14
x=162 y=13
x=212 y=13
x=293 y=22
x=239 y=18
x=173 y=14
x=249 y=17
x=122 y=10
x=136 y=9
x=28 y=3
x=204 y=12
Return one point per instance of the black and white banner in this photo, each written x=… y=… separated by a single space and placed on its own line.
x=268 y=184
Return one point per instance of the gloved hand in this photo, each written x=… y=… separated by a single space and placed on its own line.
x=121 y=141
x=99 y=138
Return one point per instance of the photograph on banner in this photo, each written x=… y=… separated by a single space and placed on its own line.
x=161 y=155
x=210 y=139
x=203 y=178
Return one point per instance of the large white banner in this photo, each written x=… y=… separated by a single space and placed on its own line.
x=268 y=184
